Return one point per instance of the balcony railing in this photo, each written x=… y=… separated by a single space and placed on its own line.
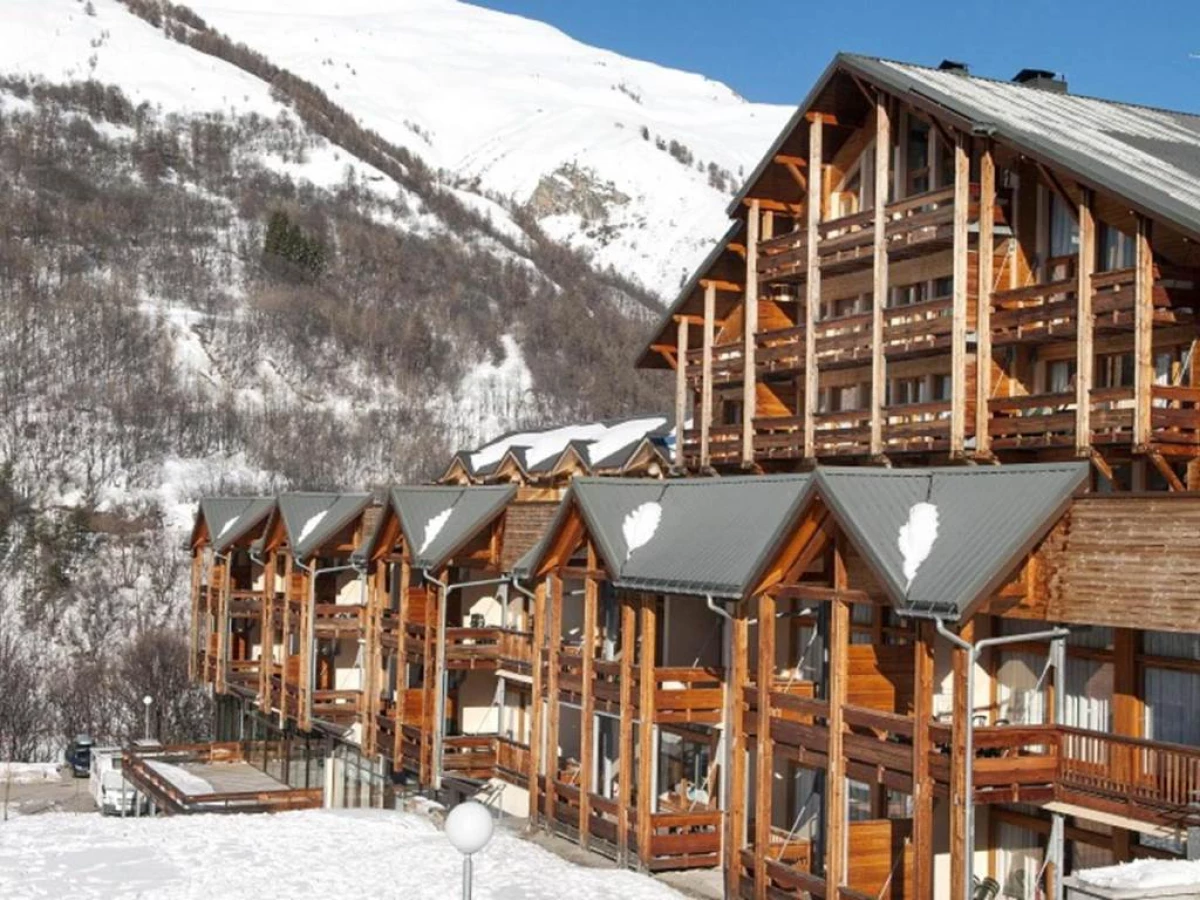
x=918 y=328
x=845 y=433
x=1035 y=420
x=472 y=648
x=846 y=340
x=916 y=427
x=688 y=695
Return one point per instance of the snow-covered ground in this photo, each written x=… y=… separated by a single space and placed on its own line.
x=360 y=853
x=28 y=773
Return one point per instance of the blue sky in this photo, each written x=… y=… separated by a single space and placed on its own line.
x=773 y=50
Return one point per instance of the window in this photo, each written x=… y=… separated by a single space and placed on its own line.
x=1116 y=370
x=731 y=412
x=1116 y=249
x=1060 y=376
x=942 y=385
x=918 y=157
x=1064 y=229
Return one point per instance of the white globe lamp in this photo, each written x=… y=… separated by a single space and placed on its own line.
x=469 y=828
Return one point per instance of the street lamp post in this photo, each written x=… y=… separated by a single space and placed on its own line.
x=147 y=701
x=469 y=828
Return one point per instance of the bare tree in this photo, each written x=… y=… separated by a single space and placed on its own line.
x=22 y=708
x=155 y=666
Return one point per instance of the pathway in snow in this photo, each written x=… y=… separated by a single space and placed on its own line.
x=354 y=853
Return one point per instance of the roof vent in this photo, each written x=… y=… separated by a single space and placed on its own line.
x=1042 y=79
x=953 y=65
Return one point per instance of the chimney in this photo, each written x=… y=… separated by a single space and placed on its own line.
x=1042 y=80
x=953 y=65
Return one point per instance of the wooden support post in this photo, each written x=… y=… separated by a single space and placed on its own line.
x=764 y=782
x=983 y=315
x=922 y=782
x=223 y=625
x=681 y=386
x=404 y=574
x=1085 y=324
x=554 y=627
x=958 y=765
x=587 y=703
x=839 y=675
x=194 y=649
x=286 y=632
x=958 y=325
x=428 y=685
x=812 y=283
x=706 y=376
x=1143 y=347
x=1128 y=711
x=537 y=722
x=625 y=751
x=645 y=773
x=883 y=157
x=267 y=655
x=750 y=333
x=735 y=740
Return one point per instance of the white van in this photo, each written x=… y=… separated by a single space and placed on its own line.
x=114 y=795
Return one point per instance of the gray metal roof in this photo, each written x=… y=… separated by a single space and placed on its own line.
x=987 y=518
x=438 y=520
x=312 y=519
x=230 y=518
x=713 y=535
x=1150 y=157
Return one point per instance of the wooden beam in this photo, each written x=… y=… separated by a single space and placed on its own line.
x=1143 y=349
x=787 y=160
x=706 y=376
x=790 y=209
x=1165 y=470
x=922 y=782
x=983 y=315
x=625 y=751
x=554 y=638
x=538 y=714
x=749 y=334
x=958 y=333
x=681 y=389
x=765 y=781
x=812 y=285
x=401 y=673
x=883 y=150
x=735 y=739
x=839 y=675
x=1128 y=709
x=1085 y=354
x=958 y=765
x=587 y=699
x=729 y=287
x=646 y=763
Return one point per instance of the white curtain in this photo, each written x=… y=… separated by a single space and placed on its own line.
x=1021 y=699
x=1018 y=861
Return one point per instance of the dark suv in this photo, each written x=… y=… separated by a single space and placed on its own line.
x=79 y=755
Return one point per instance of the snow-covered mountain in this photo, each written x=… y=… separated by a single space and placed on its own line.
x=627 y=159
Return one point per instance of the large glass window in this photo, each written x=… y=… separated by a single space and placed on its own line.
x=1116 y=249
x=1064 y=228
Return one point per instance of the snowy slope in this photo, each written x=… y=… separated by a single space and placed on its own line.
x=516 y=104
x=294 y=854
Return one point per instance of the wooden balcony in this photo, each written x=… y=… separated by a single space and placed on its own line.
x=918 y=328
x=337 y=707
x=914 y=225
x=916 y=427
x=844 y=341
x=845 y=433
x=779 y=437
x=243 y=675
x=473 y=648
x=779 y=351
x=336 y=620
x=727 y=364
x=512 y=761
x=691 y=696
x=516 y=650
x=470 y=756
x=1032 y=421
x=1175 y=420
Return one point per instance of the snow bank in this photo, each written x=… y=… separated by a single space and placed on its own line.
x=1144 y=874
x=28 y=773
x=300 y=854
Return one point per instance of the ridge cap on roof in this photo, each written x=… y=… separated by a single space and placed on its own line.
x=1010 y=83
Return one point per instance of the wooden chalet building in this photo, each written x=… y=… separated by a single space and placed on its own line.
x=929 y=266
x=934 y=625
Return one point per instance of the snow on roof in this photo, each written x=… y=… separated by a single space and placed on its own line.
x=1144 y=874
x=602 y=439
x=310 y=525
x=434 y=527
x=640 y=525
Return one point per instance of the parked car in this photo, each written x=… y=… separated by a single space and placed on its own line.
x=114 y=796
x=79 y=755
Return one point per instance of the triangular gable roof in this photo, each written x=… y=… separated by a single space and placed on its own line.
x=987 y=519
x=230 y=518
x=439 y=520
x=712 y=536
x=1149 y=157
x=312 y=519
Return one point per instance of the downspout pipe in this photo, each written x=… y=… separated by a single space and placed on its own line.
x=974 y=651
x=314 y=574
x=439 y=711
